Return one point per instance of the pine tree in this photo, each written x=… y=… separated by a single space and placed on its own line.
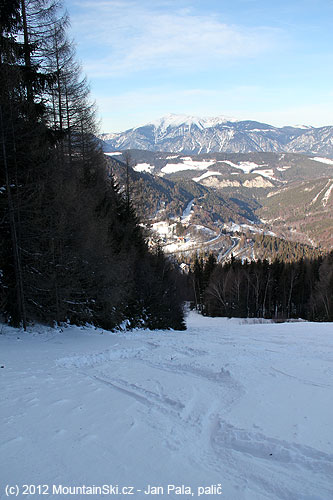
x=72 y=248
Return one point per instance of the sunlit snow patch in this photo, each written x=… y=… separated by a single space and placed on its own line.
x=246 y=166
x=144 y=167
x=162 y=228
x=188 y=164
x=327 y=195
x=269 y=173
x=322 y=160
x=282 y=169
x=240 y=228
x=206 y=174
x=187 y=212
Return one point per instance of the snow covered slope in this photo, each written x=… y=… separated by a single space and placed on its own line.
x=244 y=406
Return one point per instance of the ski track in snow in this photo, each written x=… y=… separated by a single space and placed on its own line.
x=187 y=212
x=248 y=406
x=327 y=194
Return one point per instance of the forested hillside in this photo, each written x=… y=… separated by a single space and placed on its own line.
x=288 y=195
x=71 y=247
x=278 y=290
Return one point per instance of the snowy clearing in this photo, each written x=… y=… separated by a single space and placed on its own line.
x=283 y=169
x=188 y=164
x=144 y=167
x=269 y=173
x=328 y=161
x=245 y=406
x=246 y=166
x=239 y=228
x=206 y=174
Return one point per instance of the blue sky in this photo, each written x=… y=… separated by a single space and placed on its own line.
x=269 y=60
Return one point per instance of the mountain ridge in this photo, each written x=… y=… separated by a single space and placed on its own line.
x=196 y=135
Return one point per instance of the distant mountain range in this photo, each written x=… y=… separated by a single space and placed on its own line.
x=194 y=135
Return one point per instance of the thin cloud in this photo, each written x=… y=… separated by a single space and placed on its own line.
x=133 y=38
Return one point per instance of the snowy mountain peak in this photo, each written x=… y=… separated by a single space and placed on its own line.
x=303 y=127
x=178 y=120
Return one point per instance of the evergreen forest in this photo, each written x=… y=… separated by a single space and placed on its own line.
x=71 y=247
x=276 y=290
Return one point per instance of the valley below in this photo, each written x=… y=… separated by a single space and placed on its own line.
x=227 y=203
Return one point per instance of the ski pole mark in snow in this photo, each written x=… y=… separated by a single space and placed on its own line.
x=141 y=395
x=304 y=381
x=197 y=372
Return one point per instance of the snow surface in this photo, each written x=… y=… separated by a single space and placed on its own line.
x=144 y=167
x=187 y=213
x=322 y=160
x=163 y=228
x=268 y=173
x=181 y=246
x=282 y=169
x=321 y=191
x=245 y=406
x=188 y=164
x=239 y=228
x=327 y=194
x=246 y=166
x=206 y=174
x=176 y=120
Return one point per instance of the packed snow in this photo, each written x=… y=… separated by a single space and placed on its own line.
x=243 y=410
